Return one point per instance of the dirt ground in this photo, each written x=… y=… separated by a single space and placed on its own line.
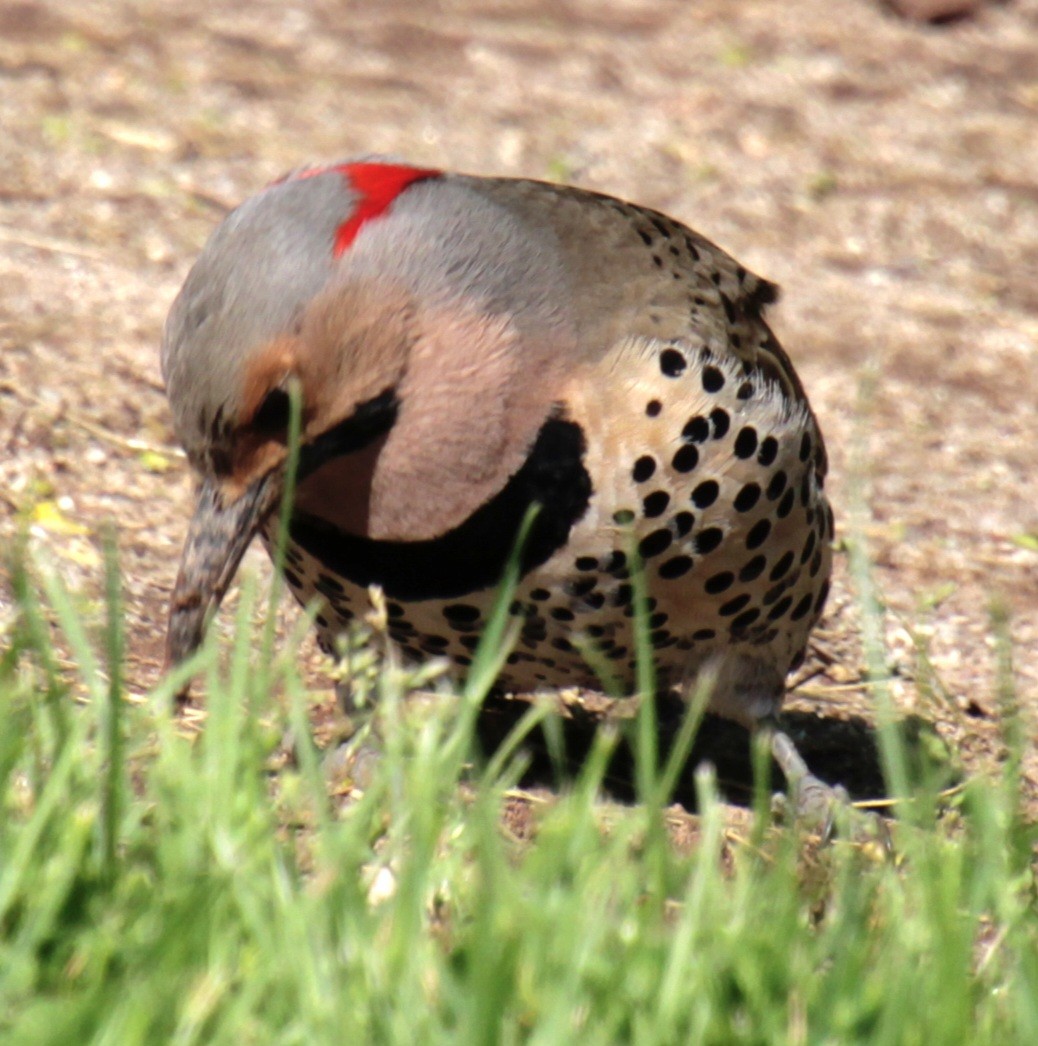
x=884 y=173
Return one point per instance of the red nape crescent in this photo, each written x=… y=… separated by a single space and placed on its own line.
x=377 y=186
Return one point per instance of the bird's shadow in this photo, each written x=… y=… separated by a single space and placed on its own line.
x=839 y=751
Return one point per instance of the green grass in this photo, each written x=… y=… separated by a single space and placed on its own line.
x=158 y=887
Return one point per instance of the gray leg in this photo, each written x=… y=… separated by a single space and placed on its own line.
x=813 y=800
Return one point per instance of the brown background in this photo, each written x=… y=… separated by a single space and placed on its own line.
x=884 y=172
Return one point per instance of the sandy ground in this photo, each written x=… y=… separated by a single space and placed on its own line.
x=884 y=173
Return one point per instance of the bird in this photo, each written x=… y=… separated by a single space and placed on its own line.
x=464 y=348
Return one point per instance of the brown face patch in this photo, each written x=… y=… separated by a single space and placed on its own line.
x=473 y=399
x=257 y=446
x=351 y=345
x=339 y=492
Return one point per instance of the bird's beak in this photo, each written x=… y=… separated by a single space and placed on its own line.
x=217 y=538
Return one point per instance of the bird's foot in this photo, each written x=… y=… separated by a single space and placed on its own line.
x=352 y=762
x=818 y=806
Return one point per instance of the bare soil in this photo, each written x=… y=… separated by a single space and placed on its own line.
x=884 y=172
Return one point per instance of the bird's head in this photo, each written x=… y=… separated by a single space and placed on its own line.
x=393 y=324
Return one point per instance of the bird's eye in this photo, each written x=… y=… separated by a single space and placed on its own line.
x=273 y=414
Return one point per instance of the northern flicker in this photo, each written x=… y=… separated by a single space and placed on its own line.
x=466 y=347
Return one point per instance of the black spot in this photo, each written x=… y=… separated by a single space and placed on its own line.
x=662 y=227
x=691 y=248
x=747 y=497
x=809 y=547
x=816 y=564
x=704 y=634
x=753 y=569
x=823 y=595
x=461 y=659
x=802 y=608
x=781 y=568
x=436 y=642
x=786 y=504
x=758 y=534
x=623 y=516
x=768 y=451
x=706 y=493
x=672 y=363
x=805 y=446
x=595 y=631
x=292 y=578
x=798 y=660
x=593 y=601
x=617 y=654
x=746 y=442
x=720 y=421
x=646 y=237
x=658 y=620
x=322 y=621
x=733 y=606
x=656 y=542
x=776 y=485
x=707 y=540
x=535 y=629
x=773 y=593
x=461 y=612
x=653 y=407
x=586 y=563
x=686 y=458
x=780 y=608
x=745 y=619
x=657 y=261
x=562 y=614
x=328 y=586
x=581 y=587
x=540 y=594
x=713 y=379
x=394 y=610
x=675 y=567
x=472 y=556
x=617 y=561
x=745 y=391
x=719 y=583
x=623 y=596
x=682 y=523
x=655 y=504
x=696 y=430
x=729 y=308
x=562 y=644
x=661 y=638
x=643 y=469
